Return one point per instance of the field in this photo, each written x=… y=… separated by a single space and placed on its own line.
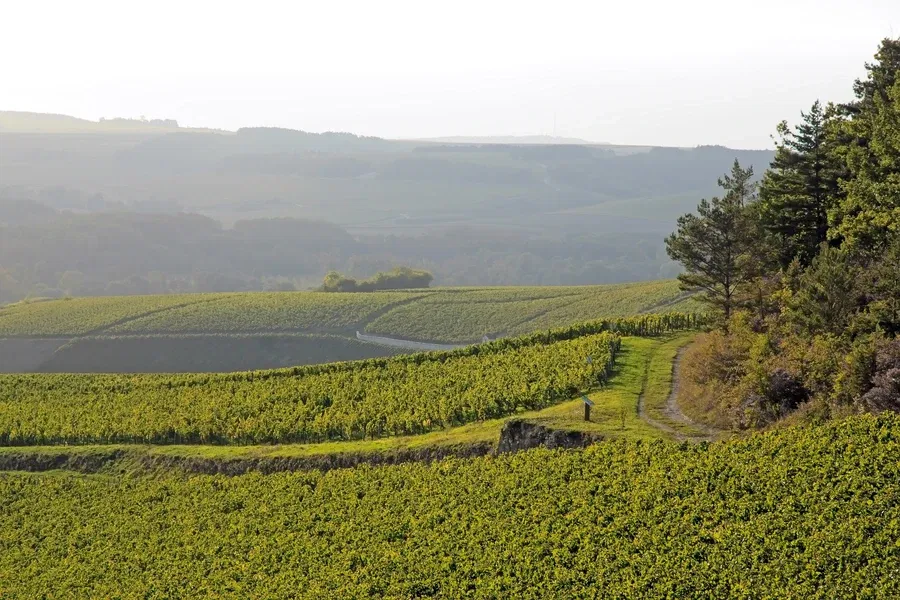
x=620 y=519
x=241 y=331
x=633 y=516
x=407 y=394
x=422 y=314
x=83 y=316
x=193 y=353
x=642 y=369
x=194 y=313
x=403 y=395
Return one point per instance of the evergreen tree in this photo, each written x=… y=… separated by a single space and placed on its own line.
x=739 y=184
x=828 y=294
x=880 y=78
x=714 y=245
x=800 y=188
x=869 y=214
x=883 y=288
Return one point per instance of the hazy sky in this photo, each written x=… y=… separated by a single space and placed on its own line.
x=640 y=72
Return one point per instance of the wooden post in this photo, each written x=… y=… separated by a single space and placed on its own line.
x=587 y=407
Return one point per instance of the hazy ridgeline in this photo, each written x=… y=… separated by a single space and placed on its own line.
x=127 y=207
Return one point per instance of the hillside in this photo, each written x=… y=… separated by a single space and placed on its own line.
x=345 y=401
x=220 y=332
x=313 y=404
x=623 y=517
x=366 y=184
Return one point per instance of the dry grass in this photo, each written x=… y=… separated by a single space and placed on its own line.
x=703 y=396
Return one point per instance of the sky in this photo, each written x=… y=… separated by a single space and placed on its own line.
x=646 y=72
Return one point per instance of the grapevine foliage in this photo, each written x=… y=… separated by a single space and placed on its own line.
x=363 y=399
x=797 y=513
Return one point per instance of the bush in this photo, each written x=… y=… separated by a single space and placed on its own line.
x=885 y=392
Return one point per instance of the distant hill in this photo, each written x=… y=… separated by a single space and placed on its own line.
x=512 y=139
x=30 y=122
x=101 y=199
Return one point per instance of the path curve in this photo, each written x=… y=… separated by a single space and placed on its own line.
x=406 y=344
x=642 y=413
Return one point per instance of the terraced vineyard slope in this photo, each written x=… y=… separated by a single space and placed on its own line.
x=365 y=399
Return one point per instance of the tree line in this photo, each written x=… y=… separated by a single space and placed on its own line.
x=803 y=267
x=398 y=278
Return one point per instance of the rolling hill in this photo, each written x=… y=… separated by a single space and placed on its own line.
x=276 y=329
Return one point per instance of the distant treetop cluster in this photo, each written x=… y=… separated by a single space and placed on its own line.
x=399 y=278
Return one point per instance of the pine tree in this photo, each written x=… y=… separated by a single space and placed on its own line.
x=880 y=78
x=739 y=184
x=714 y=245
x=800 y=188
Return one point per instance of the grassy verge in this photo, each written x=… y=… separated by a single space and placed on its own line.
x=614 y=414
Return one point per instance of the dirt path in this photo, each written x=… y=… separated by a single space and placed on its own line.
x=642 y=413
x=699 y=432
x=675 y=413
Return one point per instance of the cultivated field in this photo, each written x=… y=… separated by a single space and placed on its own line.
x=405 y=395
x=241 y=331
x=440 y=314
x=634 y=516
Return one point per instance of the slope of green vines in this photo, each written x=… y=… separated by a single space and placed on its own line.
x=374 y=398
x=440 y=314
x=266 y=312
x=797 y=513
x=459 y=319
x=466 y=316
x=408 y=394
x=78 y=316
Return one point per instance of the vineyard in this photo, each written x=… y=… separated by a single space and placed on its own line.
x=449 y=320
x=449 y=315
x=408 y=394
x=79 y=316
x=261 y=312
x=797 y=513
x=404 y=395
x=465 y=316
x=193 y=313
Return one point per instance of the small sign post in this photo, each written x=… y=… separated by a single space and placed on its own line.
x=588 y=403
